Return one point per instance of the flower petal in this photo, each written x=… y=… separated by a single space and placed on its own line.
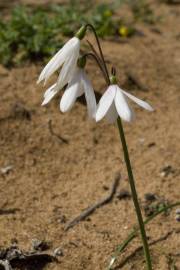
x=105 y=102
x=69 y=97
x=68 y=69
x=52 y=66
x=59 y=58
x=112 y=114
x=140 y=102
x=122 y=106
x=89 y=95
x=50 y=93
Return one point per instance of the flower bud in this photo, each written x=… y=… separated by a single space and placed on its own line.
x=113 y=79
x=81 y=32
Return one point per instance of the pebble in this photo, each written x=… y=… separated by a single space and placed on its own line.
x=178 y=218
x=178 y=211
x=150 y=197
x=124 y=194
x=7 y=169
x=167 y=170
x=58 y=252
x=39 y=245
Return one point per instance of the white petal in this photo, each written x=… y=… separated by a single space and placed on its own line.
x=140 y=102
x=68 y=69
x=105 y=102
x=112 y=114
x=59 y=58
x=69 y=97
x=89 y=95
x=52 y=65
x=50 y=93
x=122 y=106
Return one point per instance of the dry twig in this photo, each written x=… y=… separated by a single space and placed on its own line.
x=59 y=137
x=92 y=208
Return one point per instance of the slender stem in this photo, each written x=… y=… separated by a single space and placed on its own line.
x=98 y=61
x=95 y=53
x=100 y=50
x=134 y=232
x=134 y=196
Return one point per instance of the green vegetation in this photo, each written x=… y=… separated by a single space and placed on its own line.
x=142 y=11
x=36 y=34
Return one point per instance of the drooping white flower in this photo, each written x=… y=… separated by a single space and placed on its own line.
x=66 y=59
x=78 y=86
x=114 y=102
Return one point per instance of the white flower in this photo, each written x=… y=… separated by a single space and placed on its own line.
x=114 y=102
x=67 y=59
x=78 y=86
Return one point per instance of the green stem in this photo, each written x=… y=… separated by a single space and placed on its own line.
x=134 y=196
x=100 y=49
x=134 y=232
x=98 y=61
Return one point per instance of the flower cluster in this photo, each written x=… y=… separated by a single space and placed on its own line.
x=112 y=104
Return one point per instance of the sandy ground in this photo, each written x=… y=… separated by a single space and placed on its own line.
x=50 y=182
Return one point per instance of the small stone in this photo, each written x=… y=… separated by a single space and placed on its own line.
x=151 y=144
x=7 y=169
x=58 y=252
x=150 y=197
x=95 y=140
x=105 y=187
x=124 y=194
x=142 y=140
x=149 y=210
x=111 y=262
x=167 y=170
x=14 y=243
x=62 y=219
x=178 y=218
x=20 y=111
x=178 y=211
x=39 y=245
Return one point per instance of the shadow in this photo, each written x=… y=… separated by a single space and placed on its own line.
x=9 y=211
x=31 y=262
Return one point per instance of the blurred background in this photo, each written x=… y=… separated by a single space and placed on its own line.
x=35 y=30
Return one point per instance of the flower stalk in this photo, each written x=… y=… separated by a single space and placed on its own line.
x=134 y=195
x=100 y=49
x=112 y=80
x=98 y=62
